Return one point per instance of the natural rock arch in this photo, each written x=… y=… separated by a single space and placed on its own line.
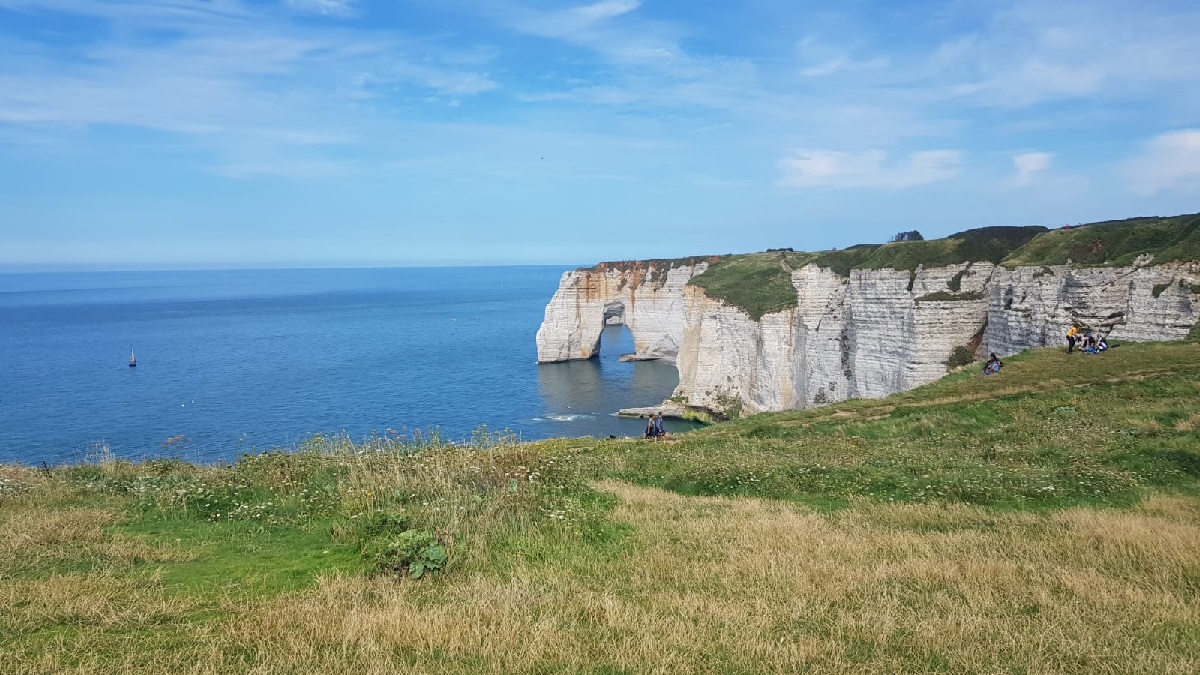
x=647 y=300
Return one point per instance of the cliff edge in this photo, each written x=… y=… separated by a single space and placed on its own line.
x=784 y=330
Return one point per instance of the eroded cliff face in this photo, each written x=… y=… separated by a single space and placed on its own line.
x=868 y=335
x=646 y=297
x=1033 y=306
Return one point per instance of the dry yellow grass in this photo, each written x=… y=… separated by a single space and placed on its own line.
x=739 y=585
x=701 y=585
x=1190 y=424
x=36 y=538
x=547 y=578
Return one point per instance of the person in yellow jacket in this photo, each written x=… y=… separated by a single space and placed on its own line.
x=1071 y=333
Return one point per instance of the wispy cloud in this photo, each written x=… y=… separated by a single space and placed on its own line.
x=818 y=59
x=1031 y=51
x=840 y=64
x=221 y=72
x=575 y=23
x=1169 y=161
x=628 y=109
x=1029 y=165
x=869 y=169
x=182 y=14
x=339 y=8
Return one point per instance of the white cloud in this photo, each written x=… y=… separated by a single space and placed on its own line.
x=450 y=84
x=840 y=64
x=1029 y=164
x=1030 y=51
x=869 y=169
x=575 y=24
x=1169 y=161
x=181 y=14
x=820 y=59
x=606 y=9
x=219 y=75
x=341 y=8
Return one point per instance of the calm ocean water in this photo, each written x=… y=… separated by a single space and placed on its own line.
x=239 y=360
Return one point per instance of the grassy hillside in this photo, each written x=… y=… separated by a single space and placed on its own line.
x=992 y=244
x=1044 y=519
x=760 y=283
x=1114 y=243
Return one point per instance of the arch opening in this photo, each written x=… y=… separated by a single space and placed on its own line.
x=614 y=338
x=614 y=313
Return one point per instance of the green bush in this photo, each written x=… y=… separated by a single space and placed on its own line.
x=382 y=524
x=960 y=357
x=955 y=283
x=411 y=552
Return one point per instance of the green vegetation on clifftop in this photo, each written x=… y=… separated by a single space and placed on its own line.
x=1114 y=243
x=989 y=244
x=760 y=283
x=757 y=283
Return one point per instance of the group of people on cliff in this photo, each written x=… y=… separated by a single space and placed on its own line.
x=654 y=426
x=1083 y=338
x=1088 y=342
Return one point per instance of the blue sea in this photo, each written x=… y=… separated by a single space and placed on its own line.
x=238 y=361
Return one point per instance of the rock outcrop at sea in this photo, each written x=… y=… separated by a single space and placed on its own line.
x=866 y=335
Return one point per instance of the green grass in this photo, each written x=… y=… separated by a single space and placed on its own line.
x=760 y=283
x=1115 y=243
x=1051 y=430
x=1066 y=487
x=757 y=283
x=991 y=244
x=247 y=559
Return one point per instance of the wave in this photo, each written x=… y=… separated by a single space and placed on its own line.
x=564 y=418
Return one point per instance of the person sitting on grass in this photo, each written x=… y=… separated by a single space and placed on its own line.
x=993 y=364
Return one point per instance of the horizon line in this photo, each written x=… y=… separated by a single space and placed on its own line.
x=65 y=268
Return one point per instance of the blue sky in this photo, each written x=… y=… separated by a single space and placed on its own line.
x=195 y=133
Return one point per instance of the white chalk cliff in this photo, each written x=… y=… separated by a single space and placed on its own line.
x=868 y=335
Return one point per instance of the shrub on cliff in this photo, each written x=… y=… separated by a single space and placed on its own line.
x=961 y=356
